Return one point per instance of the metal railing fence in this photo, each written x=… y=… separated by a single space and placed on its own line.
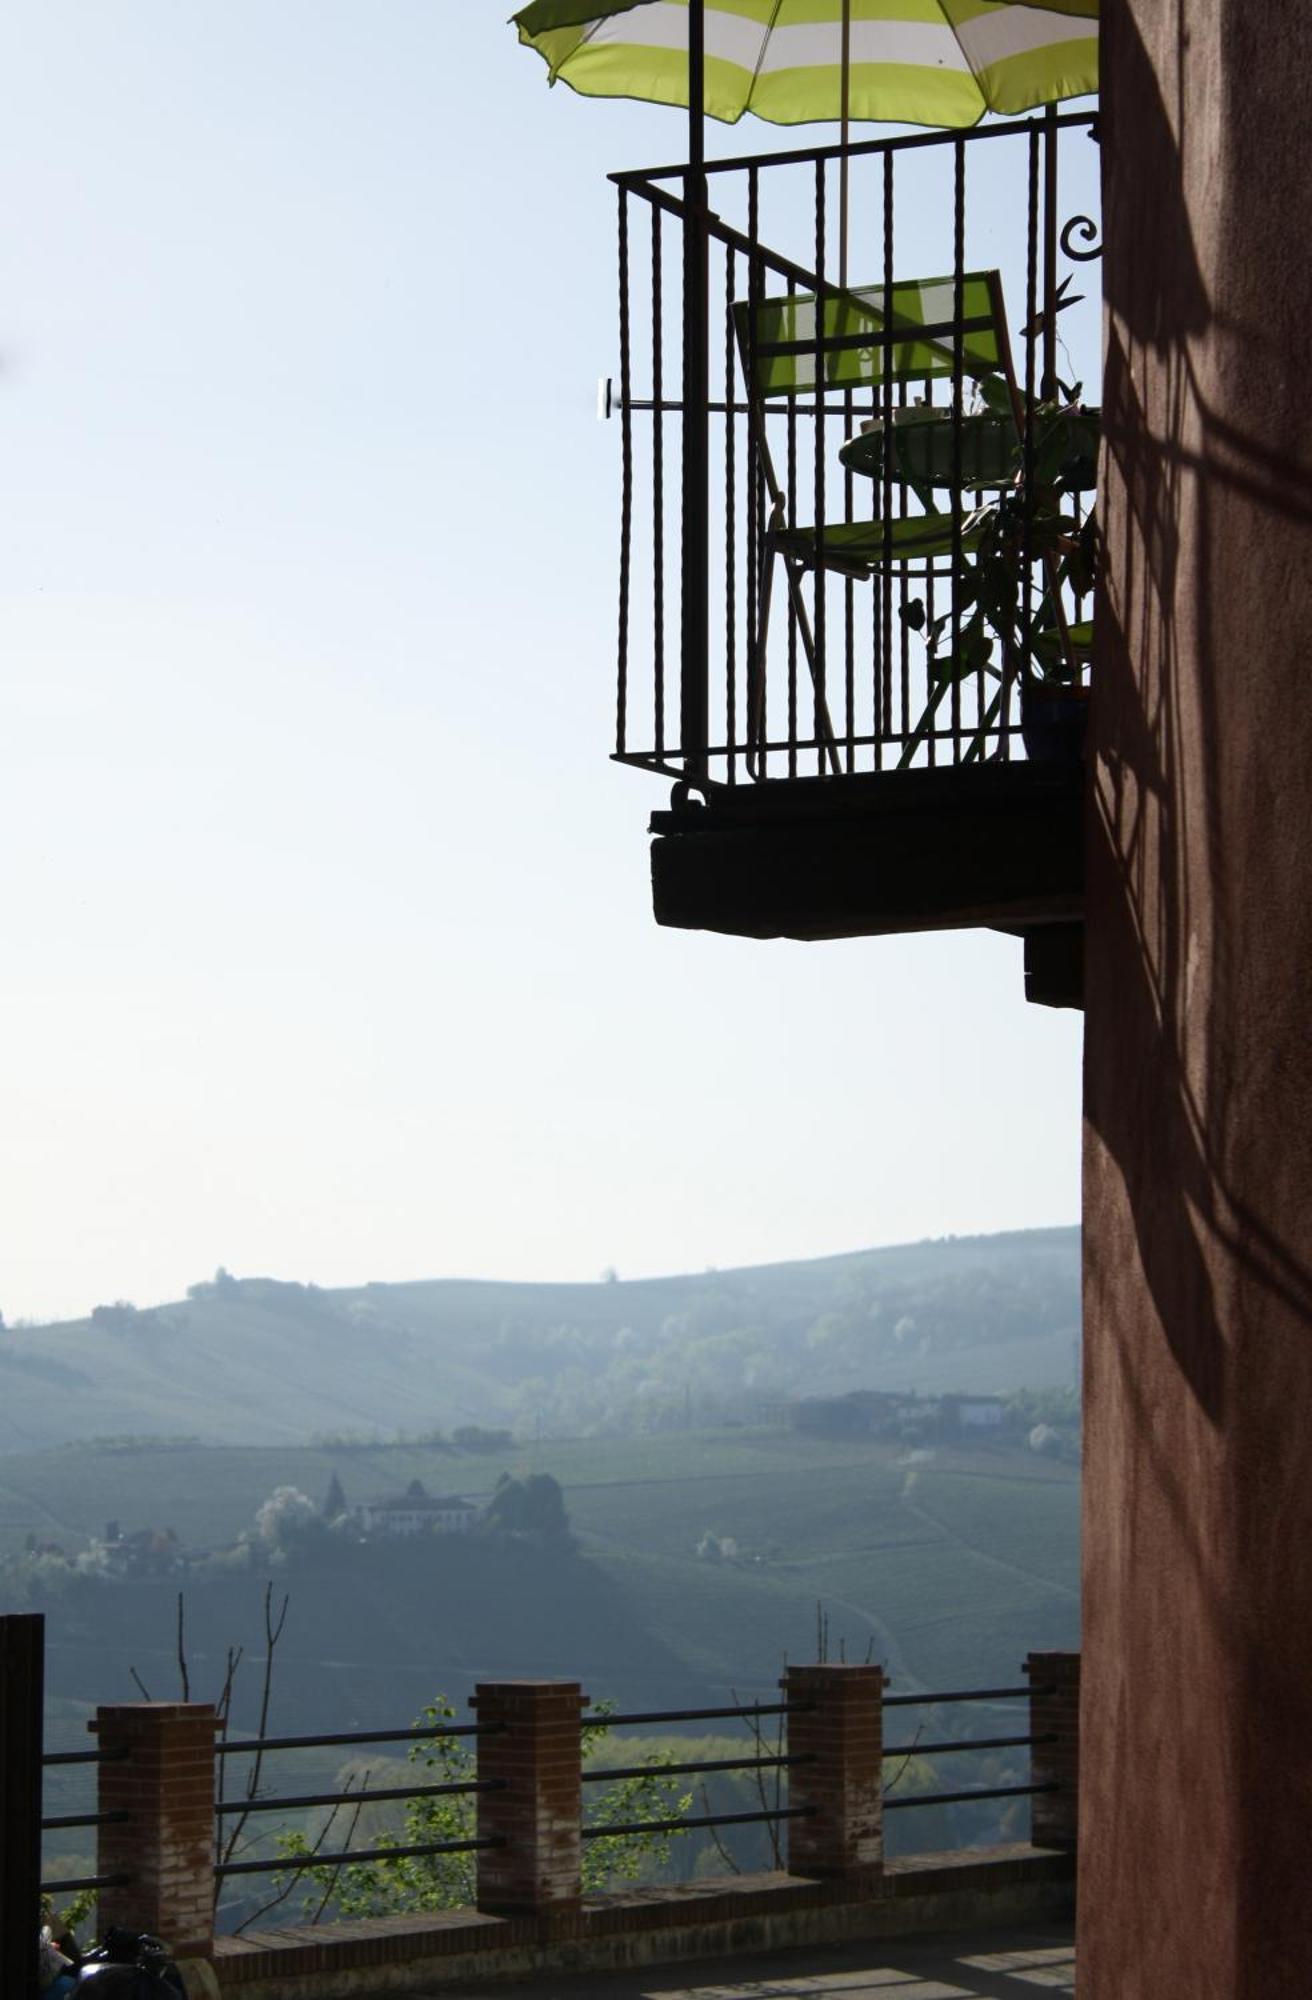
x=817 y=647
x=89 y=1761
x=963 y=1745
x=259 y=1746
x=765 y=1760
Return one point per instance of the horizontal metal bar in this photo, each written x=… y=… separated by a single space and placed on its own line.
x=694 y=1820
x=632 y=178
x=787 y=405
x=670 y=408
x=257 y=1743
x=960 y=1798
x=699 y=1714
x=291 y=1803
x=606 y=1772
x=53 y=1757
x=960 y=1694
x=296 y=1864
x=650 y=762
x=59 y=1820
x=74 y=1882
x=980 y=1743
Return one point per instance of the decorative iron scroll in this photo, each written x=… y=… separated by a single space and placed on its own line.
x=1086 y=229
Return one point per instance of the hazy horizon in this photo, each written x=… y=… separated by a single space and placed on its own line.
x=605 y=1276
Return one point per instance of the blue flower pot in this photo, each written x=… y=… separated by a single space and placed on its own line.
x=1053 y=722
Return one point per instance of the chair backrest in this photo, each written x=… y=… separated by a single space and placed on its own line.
x=911 y=330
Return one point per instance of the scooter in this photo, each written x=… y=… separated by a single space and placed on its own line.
x=128 y=1965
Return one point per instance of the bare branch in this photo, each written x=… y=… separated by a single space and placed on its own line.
x=894 y=1782
x=223 y=1706
x=223 y=1710
x=766 y=1748
x=316 y=1845
x=716 y=1841
x=183 y=1676
x=273 y=1626
x=145 y=1691
x=331 y=1890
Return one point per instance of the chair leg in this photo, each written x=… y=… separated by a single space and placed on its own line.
x=756 y=669
x=824 y=727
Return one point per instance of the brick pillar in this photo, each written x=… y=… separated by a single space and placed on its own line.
x=841 y=1727
x=1055 y=1712
x=532 y=1754
x=160 y=1771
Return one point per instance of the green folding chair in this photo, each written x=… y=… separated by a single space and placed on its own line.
x=868 y=336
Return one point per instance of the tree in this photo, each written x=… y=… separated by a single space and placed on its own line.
x=532 y=1506
x=334 y=1505
x=473 y=1437
x=119 y=1316
x=415 y=1882
x=284 y=1517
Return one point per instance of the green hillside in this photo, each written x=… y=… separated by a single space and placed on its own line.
x=258 y=1362
x=945 y=1564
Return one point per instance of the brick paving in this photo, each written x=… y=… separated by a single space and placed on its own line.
x=1023 y=1964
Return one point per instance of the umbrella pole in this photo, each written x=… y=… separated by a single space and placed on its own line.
x=846 y=126
x=697 y=84
x=694 y=677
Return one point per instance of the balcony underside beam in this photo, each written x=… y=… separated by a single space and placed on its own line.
x=999 y=846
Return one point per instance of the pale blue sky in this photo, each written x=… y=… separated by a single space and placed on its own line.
x=329 y=944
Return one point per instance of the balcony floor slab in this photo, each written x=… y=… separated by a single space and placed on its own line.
x=997 y=845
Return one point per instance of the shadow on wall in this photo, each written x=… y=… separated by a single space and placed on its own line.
x=1156 y=859
x=1199 y=1509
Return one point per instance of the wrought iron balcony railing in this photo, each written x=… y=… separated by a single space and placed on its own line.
x=857 y=479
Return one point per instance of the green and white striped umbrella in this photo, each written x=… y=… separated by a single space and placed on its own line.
x=909 y=62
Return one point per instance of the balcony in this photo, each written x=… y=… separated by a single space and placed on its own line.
x=855 y=582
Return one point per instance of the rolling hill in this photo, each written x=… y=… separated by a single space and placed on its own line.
x=261 y=1362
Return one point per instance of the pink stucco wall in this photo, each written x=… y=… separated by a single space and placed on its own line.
x=1196 y=1828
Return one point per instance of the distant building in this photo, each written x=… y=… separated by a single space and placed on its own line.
x=860 y=1413
x=417 y=1512
x=971 y=1414
x=146 y=1552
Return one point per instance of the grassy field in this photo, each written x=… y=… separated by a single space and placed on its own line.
x=946 y=1566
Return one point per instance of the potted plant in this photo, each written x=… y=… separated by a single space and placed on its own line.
x=995 y=626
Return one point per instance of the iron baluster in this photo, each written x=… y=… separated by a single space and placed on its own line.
x=658 y=480
x=1024 y=665
x=1050 y=301
x=958 y=388
x=757 y=675
x=818 y=705
x=626 y=480
x=730 y=525
x=792 y=518
x=885 y=569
